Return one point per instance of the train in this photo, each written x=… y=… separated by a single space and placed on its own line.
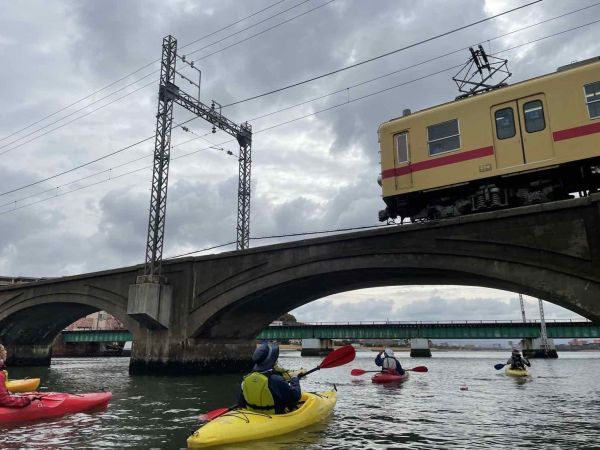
x=531 y=142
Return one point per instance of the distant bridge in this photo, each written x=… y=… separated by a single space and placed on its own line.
x=482 y=329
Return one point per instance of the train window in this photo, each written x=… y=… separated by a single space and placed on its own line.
x=505 y=123
x=592 y=98
x=401 y=147
x=443 y=137
x=534 y=116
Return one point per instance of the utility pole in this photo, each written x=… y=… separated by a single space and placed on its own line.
x=543 y=333
x=168 y=94
x=150 y=299
x=522 y=307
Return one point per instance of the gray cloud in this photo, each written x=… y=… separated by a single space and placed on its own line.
x=311 y=174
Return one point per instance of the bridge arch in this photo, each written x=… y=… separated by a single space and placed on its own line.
x=30 y=320
x=244 y=310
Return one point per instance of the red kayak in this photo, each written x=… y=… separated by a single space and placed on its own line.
x=54 y=404
x=384 y=377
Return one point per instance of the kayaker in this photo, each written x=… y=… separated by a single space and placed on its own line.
x=265 y=391
x=516 y=361
x=388 y=362
x=6 y=398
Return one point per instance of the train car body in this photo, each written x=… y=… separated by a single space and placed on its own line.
x=531 y=142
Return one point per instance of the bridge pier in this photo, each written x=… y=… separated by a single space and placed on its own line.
x=159 y=354
x=419 y=347
x=316 y=347
x=29 y=355
x=532 y=348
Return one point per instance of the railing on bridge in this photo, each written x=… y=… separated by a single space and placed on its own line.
x=462 y=329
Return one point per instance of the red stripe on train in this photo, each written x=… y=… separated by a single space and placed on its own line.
x=571 y=133
x=437 y=162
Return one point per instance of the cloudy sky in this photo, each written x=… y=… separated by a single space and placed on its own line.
x=315 y=163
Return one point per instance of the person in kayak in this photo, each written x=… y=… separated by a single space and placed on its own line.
x=265 y=391
x=388 y=362
x=8 y=400
x=516 y=361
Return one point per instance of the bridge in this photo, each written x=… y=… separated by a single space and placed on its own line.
x=218 y=304
x=471 y=329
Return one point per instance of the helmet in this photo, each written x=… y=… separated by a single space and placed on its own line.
x=265 y=356
x=516 y=352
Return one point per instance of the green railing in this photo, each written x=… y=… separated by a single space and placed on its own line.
x=389 y=330
x=432 y=330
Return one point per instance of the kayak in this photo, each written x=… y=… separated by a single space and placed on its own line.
x=383 y=377
x=25 y=385
x=516 y=372
x=54 y=404
x=240 y=425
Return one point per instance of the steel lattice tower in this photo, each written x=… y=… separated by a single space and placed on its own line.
x=168 y=94
x=162 y=156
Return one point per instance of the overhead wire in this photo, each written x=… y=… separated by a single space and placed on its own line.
x=139 y=70
x=360 y=63
x=216 y=146
x=135 y=82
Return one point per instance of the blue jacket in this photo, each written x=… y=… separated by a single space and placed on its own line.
x=379 y=361
x=285 y=394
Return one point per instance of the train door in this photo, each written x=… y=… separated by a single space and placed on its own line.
x=402 y=161
x=508 y=145
x=535 y=129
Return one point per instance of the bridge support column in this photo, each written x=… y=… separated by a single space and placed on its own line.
x=316 y=347
x=532 y=348
x=29 y=355
x=160 y=354
x=150 y=301
x=420 y=348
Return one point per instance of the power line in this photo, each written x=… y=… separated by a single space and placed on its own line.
x=247 y=28
x=138 y=70
x=380 y=56
x=147 y=84
x=295 y=119
x=305 y=233
x=266 y=30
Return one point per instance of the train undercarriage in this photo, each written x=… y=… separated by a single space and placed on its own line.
x=554 y=183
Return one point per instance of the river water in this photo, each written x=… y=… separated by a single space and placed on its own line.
x=557 y=407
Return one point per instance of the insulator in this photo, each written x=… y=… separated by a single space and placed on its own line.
x=214 y=129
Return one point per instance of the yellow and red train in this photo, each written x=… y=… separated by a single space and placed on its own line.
x=531 y=142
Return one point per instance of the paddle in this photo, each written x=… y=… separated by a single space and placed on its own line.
x=499 y=366
x=339 y=357
x=358 y=372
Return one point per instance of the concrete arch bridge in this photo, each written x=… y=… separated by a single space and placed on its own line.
x=207 y=317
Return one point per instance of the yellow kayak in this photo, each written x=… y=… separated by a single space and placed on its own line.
x=26 y=385
x=516 y=372
x=241 y=425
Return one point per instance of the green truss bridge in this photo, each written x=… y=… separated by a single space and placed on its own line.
x=481 y=329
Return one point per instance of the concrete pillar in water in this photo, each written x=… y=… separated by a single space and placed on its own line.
x=316 y=347
x=420 y=347
x=533 y=348
x=158 y=353
x=28 y=355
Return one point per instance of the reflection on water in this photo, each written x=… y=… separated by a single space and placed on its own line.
x=556 y=407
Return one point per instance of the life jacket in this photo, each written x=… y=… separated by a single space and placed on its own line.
x=258 y=397
x=389 y=363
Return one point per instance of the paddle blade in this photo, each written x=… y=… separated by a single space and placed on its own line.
x=499 y=366
x=357 y=372
x=339 y=357
x=207 y=417
x=419 y=369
